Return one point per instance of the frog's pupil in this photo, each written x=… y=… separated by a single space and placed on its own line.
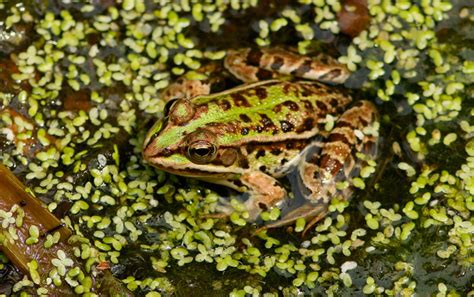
x=202 y=151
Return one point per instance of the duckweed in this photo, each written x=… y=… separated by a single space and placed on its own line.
x=120 y=57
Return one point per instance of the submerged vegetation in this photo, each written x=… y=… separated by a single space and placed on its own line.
x=80 y=87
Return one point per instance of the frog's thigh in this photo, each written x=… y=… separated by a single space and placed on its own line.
x=265 y=192
x=336 y=162
x=320 y=175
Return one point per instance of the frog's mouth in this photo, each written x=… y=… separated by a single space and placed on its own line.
x=189 y=169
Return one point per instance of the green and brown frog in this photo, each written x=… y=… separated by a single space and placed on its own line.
x=250 y=136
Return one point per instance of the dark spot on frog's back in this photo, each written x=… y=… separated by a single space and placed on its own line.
x=307 y=105
x=277 y=108
x=240 y=100
x=306 y=91
x=275 y=152
x=245 y=118
x=224 y=104
x=334 y=102
x=244 y=131
x=266 y=122
x=321 y=106
x=261 y=93
x=291 y=105
x=286 y=126
x=229 y=127
x=260 y=153
x=307 y=125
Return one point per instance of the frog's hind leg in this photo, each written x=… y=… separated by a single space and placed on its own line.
x=307 y=211
x=251 y=65
x=356 y=131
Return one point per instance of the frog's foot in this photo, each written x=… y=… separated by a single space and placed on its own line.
x=264 y=192
x=251 y=65
x=307 y=211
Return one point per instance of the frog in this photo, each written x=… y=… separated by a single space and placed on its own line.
x=288 y=118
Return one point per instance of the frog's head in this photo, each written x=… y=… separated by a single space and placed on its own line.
x=180 y=143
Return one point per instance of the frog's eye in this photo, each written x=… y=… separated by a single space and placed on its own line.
x=201 y=152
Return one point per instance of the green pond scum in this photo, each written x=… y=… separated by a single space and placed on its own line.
x=80 y=85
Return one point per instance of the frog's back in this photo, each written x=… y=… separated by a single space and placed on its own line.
x=269 y=111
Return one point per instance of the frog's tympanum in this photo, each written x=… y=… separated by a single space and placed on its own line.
x=249 y=136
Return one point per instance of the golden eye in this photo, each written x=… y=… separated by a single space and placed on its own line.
x=201 y=152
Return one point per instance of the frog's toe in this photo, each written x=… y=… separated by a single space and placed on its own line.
x=309 y=211
x=252 y=207
x=226 y=207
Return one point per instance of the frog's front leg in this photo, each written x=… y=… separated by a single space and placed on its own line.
x=264 y=193
x=318 y=175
